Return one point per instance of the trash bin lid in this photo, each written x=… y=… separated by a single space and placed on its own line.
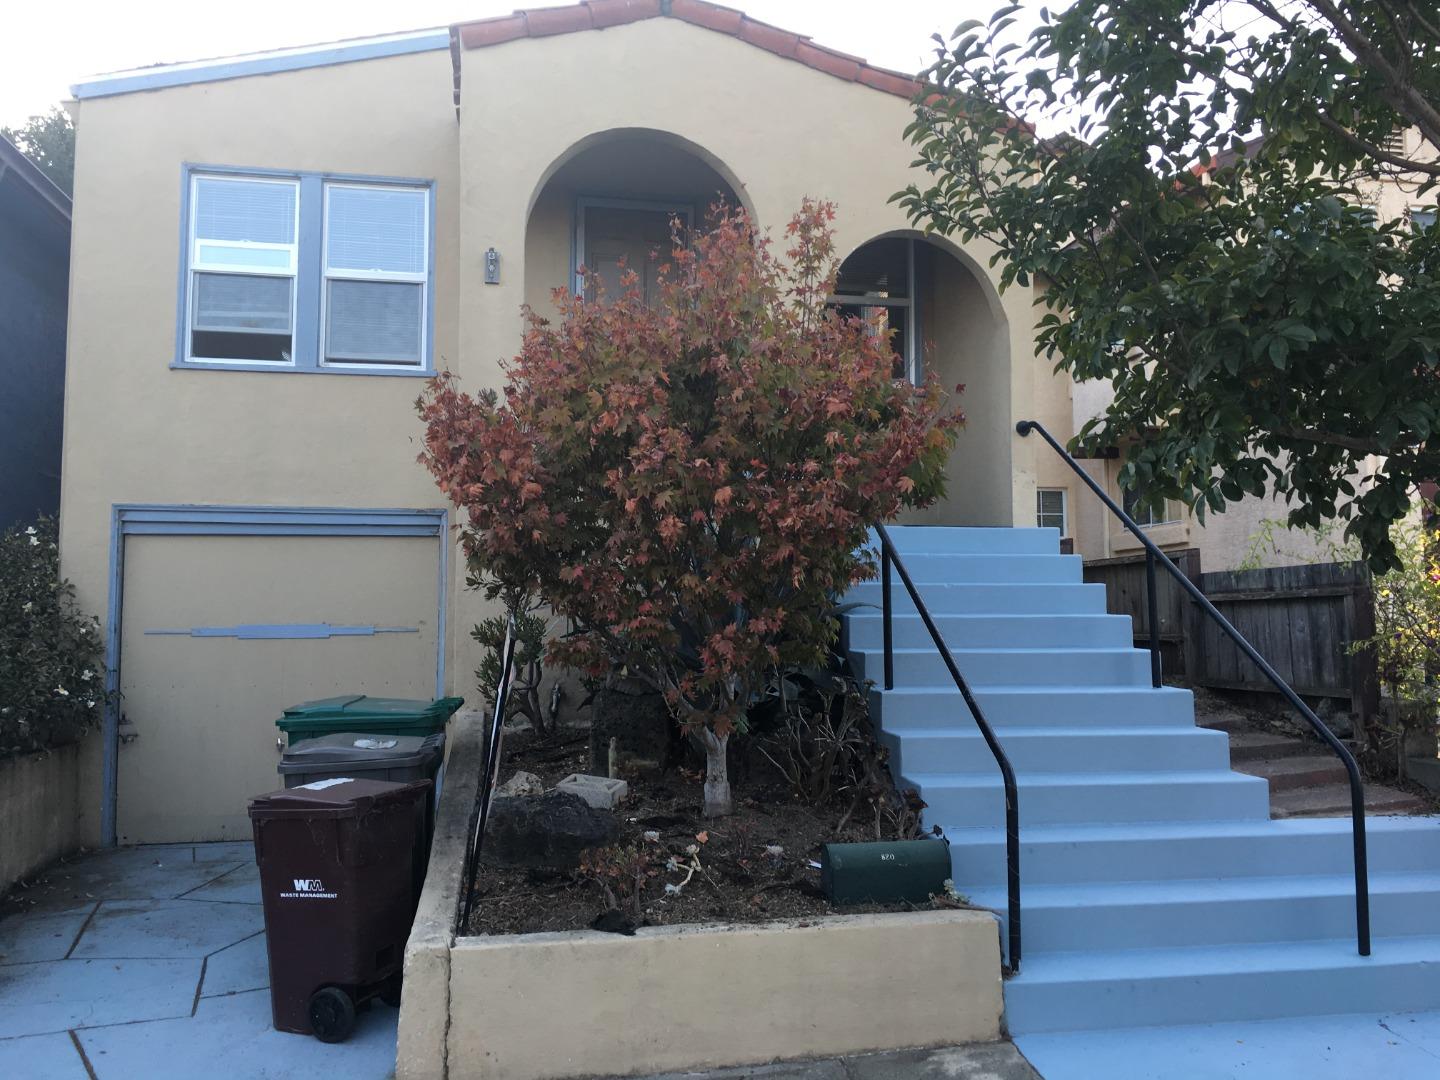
x=365 y=749
x=340 y=797
x=362 y=705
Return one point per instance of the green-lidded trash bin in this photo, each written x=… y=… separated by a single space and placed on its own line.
x=365 y=715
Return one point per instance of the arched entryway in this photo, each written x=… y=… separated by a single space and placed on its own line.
x=945 y=318
x=610 y=199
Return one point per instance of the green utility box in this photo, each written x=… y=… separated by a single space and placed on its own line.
x=884 y=873
x=361 y=714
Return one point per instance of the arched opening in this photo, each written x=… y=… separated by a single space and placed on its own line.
x=944 y=318
x=609 y=201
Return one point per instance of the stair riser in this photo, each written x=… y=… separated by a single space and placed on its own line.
x=922 y=539
x=1293 y=781
x=989 y=599
x=1121 y=667
x=866 y=631
x=1190 y=999
x=996 y=569
x=946 y=708
x=1174 y=752
x=1190 y=858
x=1099 y=803
x=1218 y=922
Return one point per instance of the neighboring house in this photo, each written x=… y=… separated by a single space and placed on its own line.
x=1250 y=531
x=308 y=233
x=34 y=281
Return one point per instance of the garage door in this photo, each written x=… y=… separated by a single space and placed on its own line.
x=218 y=634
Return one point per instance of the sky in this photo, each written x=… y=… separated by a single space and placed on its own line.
x=46 y=46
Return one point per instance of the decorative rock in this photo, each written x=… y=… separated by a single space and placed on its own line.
x=600 y=792
x=549 y=830
x=522 y=783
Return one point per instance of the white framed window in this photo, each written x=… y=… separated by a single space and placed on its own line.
x=1422 y=218
x=305 y=272
x=376 y=273
x=1146 y=514
x=243 y=239
x=1052 y=509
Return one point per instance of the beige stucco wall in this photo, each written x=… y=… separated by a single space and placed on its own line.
x=831 y=139
x=137 y=431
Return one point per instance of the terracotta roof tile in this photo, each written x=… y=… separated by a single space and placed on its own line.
x=600 y=14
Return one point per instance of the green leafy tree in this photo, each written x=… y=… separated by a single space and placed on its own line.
x=52 y=670
x=691 y=480
x=49 y=141
x=1201 y=235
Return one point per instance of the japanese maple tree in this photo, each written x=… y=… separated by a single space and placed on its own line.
x=690 y=479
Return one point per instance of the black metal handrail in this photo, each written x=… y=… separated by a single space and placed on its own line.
x=490 y=767
x=890 y=557
x=1153 y=555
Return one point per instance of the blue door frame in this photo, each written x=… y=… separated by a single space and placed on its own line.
x=179 y=520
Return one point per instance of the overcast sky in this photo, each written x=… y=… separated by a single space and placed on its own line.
x=46 y=45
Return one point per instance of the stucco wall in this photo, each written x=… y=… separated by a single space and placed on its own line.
x=138 y=431
x=39 y=801
x=34 y=264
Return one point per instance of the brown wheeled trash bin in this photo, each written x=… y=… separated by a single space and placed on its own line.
x=335 y=860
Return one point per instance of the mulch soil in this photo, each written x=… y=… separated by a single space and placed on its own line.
x=759 y=864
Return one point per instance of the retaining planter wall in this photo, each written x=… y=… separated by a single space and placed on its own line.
x=551 y=1006
x=39 y=811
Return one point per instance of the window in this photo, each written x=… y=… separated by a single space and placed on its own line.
x=243 y=256
x=306 y=273
x=877 y=283
x=1142 y=513
x=1050 y=509
x=1422 y=218
x=376 y=266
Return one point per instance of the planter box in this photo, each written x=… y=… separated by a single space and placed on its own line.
x=583 y=1003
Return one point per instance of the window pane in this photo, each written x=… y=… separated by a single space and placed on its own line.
x=1422 y=219
x=259 y=211
x=1050 y=508
x=244 y=257
x=373 y=322
x=376 y=229
x=242 y=302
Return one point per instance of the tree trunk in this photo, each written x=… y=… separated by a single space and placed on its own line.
x=717 y=777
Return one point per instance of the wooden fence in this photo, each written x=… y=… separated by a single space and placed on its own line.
x=1301 y=619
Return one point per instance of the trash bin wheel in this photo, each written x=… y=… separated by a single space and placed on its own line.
x=390 y=995
x=332 y=1014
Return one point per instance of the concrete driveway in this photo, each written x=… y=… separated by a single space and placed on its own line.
x=149 y=963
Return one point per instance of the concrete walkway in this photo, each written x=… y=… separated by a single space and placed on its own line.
x=149 y=964
x=981 y=1061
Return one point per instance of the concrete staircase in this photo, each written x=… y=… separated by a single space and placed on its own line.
x=1157 y=889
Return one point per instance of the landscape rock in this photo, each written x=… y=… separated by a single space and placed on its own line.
x=522 y=783
x=549 y=830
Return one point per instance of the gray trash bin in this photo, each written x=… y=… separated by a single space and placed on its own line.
x=367 y=755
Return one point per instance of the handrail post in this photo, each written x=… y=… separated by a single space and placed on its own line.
x=1152 y=616
x=1007 y=774
x=1352 y=771
x=886 y=617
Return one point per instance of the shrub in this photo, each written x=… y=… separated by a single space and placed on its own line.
x=690 y=481
x=52 y=683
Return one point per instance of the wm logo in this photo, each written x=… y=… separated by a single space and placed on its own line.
x=308 y=885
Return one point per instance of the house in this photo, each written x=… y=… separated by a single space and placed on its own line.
x=34 y=282
x=311 y=232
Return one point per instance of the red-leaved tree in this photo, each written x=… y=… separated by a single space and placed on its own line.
x=690 y=480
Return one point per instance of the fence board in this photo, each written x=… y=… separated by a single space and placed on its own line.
x=1302 y=619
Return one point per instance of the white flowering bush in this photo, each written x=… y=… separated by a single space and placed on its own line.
x=52 y=684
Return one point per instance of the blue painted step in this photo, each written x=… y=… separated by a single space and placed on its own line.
x=1157 y=891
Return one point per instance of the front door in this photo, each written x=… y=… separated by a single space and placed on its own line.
x=614 y=235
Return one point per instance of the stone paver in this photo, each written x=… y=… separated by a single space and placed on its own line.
x=42 y=1057
x=153 y=960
